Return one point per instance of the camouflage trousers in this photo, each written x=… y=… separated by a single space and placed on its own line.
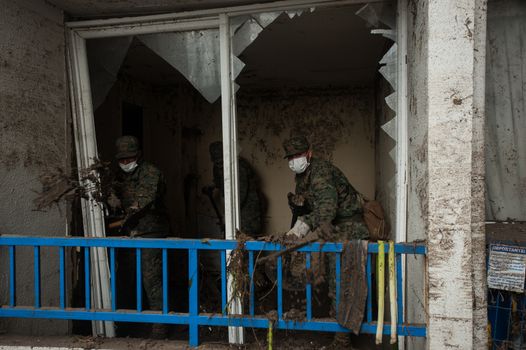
x=344 y=231
x=151 y=273
x=152 y=277
x=250 y=223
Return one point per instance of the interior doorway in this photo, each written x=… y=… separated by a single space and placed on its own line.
x=132 y=121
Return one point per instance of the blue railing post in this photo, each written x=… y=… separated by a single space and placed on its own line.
x=12 y=276
x=62 y=277
x=36 y=269
x=193 y=297
x=139 y=279
x=399 y=290
x=251 y=277
x=309 y=286
x=113 y=280
x=165 y=281
x=338 y=279
x=87 y=278
x=223 y=283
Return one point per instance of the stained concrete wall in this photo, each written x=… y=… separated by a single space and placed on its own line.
x=456 y=168
x=417 y=204
x=478 y=174
x=34 y=124
x=446 y=197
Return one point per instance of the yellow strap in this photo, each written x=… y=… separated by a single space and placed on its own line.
x=381 y=292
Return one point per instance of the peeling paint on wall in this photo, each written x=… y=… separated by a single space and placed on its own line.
x=418 y=176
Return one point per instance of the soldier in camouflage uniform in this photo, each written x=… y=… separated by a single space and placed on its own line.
x=251 y=207
x=140 y=188
x=328 y=198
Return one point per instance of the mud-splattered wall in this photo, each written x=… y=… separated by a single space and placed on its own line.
x=35 y=131
x=417 y=186
x=446 y=197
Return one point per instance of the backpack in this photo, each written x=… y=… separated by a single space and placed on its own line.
x=373 y=215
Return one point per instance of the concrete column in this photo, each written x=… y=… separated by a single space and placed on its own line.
x=478 y=216
x=454 y=192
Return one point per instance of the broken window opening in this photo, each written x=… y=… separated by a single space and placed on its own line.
x=301 y=77
x=275 y=69
x=173 y=79
x=256 y=100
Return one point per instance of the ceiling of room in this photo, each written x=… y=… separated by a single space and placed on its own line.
x=106 y=8
x=143 y=64
x=326 y=48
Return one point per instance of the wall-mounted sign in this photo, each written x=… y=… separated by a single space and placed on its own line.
x=507 y=267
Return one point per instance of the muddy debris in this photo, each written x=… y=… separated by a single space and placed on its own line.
x=237 y=268
x=57 y=185
x=295 y=275
x=295 y=315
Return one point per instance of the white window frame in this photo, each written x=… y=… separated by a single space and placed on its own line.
x=402 y=141
x=84 y=126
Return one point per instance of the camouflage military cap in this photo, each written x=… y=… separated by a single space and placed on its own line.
x=216 y=150
x=127 y=147
x=295 y=145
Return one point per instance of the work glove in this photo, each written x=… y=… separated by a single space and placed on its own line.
x=300 y=228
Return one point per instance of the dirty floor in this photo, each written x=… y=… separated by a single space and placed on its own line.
x=255 y=340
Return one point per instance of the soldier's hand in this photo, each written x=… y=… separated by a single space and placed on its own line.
x=300 y=228
x=295 y=200
x=114 y=202
x=134 y=208
x=290 y=195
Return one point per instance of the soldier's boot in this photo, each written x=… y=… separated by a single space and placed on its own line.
x=159 y=331
x=341 y=341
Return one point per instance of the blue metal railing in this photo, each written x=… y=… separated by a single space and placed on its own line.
x=193 y=318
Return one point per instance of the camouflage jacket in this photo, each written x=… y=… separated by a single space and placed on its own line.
x=329 y=195
x=249 y=200
x=144 y=189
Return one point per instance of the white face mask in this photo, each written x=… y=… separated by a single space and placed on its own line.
x=298 y=165
x=128 y=168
